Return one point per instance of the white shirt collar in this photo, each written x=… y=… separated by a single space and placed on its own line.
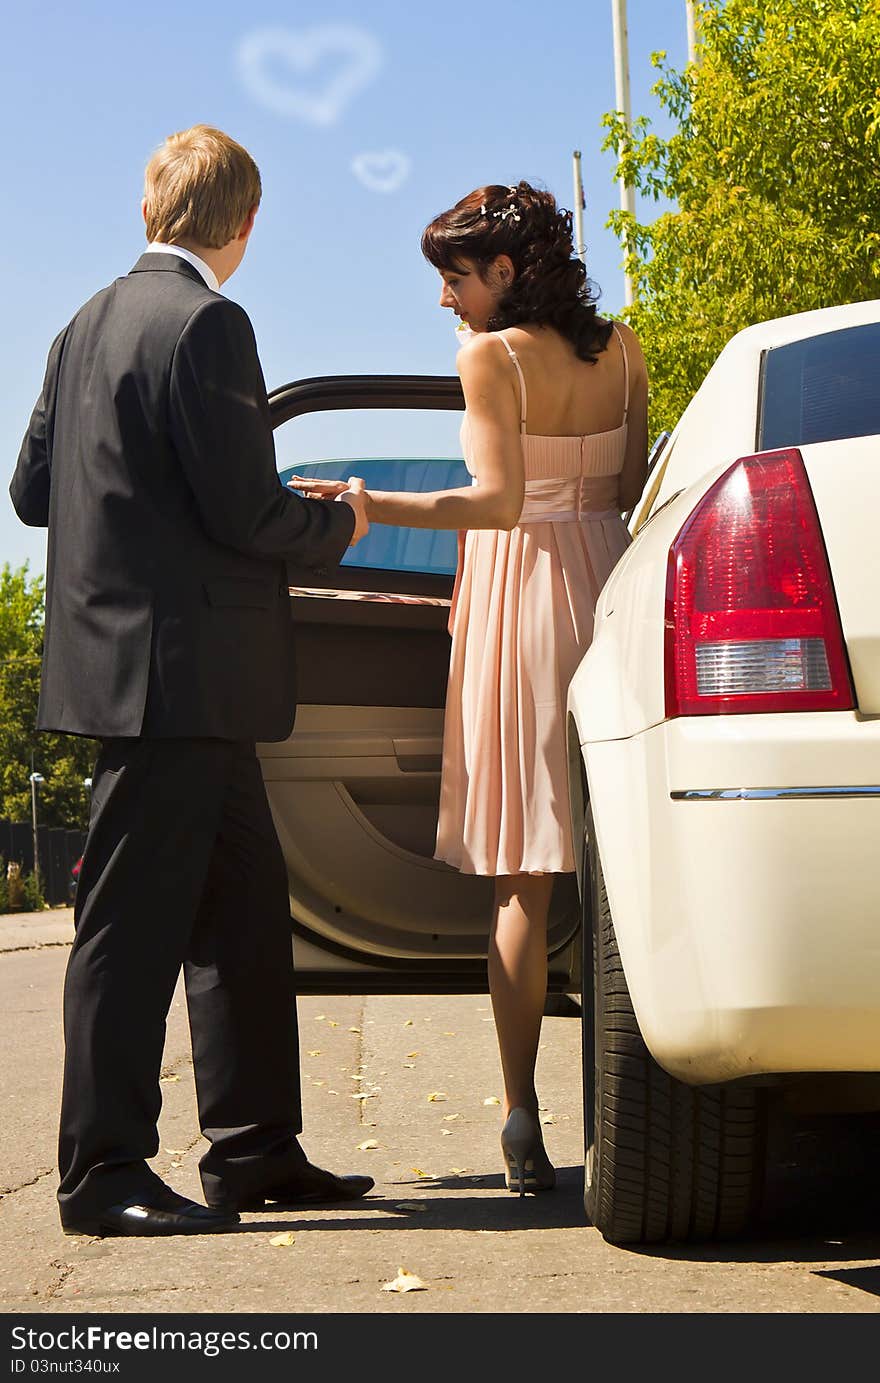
x=207 y=273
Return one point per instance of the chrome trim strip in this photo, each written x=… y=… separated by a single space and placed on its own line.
x=375 y=597
x=773 y=794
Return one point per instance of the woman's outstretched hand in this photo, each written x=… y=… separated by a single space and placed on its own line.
x=318 y=489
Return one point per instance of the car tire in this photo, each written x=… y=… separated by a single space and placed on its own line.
x=664 y=1161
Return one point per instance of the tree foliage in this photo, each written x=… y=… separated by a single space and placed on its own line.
x=63 y=760
x=772 y=168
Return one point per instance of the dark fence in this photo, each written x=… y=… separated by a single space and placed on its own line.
x=59 y=850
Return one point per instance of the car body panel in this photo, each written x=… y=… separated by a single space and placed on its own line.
x=740 y=850
x=729 y=913
x=845 y=480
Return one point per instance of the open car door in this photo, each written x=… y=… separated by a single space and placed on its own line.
x=355 y=789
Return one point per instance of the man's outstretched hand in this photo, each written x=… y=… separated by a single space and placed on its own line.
x=312 y=488
x=352 y=492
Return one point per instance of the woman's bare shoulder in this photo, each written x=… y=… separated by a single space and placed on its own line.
x=481 y=354
x=630 y=339
x=632 y=345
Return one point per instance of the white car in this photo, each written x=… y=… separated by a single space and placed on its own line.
x=724 y=751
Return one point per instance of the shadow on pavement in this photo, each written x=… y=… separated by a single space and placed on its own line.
x=560 y=1209
x=866 y=1279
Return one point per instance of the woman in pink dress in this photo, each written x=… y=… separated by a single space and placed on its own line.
x=555 y=438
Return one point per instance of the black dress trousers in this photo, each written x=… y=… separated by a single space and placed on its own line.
x=182 y=867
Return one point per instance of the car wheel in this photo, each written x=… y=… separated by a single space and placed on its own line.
x=664 y=1161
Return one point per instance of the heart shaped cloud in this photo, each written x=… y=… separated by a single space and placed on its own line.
x=383 y=171
x=275 y=65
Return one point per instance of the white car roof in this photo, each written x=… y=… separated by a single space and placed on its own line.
x=779 y=331
x=720 y=421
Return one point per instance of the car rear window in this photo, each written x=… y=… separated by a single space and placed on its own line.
x=822 y=388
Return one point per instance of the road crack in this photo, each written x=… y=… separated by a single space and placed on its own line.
x=359 y=1056
x=38 y=946
x=13 y=1190
x=64 y=1271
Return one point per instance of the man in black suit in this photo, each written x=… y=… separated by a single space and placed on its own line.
x=150 y=457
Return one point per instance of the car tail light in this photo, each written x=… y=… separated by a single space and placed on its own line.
x=751 y=619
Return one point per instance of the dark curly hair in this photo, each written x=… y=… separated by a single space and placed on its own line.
x=550 y=285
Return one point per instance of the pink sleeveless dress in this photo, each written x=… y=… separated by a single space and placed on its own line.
x=521 y=621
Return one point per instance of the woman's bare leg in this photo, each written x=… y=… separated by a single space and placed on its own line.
x=518 y=979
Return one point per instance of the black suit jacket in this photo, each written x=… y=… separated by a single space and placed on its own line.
x=150 y=457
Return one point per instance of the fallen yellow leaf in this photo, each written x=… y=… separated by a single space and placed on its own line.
x=175 y=1152
x=354 y=1030
x=319 y=1017
x=437 y=1097
x=411 y=1054
x=331 y=1024
x=172 y=1076
x=419 y=1173
x=458 y=1171
x=446 y=1132
x=408 y=1023
x=283 y=1241
x=409 y=1066
x=366 y=1146
x=405 y=1282
x=319 y=1082
x=448 y=1118
x=493 y=1099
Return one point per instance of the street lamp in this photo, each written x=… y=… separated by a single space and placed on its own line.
x=691 y=31
x=35 y=778
x=580 y=248
x=621 y=86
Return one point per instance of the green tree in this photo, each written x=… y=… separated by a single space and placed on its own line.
x=772 y=169
x=63 y=760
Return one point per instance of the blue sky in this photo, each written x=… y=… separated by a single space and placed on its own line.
x=433 y=101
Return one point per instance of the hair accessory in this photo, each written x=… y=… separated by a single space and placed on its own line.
x=512 y=210
x=483 y=209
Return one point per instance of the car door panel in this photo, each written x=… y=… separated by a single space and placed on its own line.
x=354 y=791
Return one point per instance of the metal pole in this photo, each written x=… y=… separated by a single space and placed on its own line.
x=34 y=822
x=580 y=248
x=692 y=31
x=621 y=83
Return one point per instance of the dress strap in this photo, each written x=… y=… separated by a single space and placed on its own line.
x=625 y=375
x=522 y=383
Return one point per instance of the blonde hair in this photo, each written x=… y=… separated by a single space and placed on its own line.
x=200 y=185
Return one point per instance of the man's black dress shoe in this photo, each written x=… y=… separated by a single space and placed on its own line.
x=306 y=1186
x=154 y=1212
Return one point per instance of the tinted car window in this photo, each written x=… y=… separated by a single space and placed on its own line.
x=397 y=549
x=822 y=388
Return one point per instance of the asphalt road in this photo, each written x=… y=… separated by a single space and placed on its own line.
x=413 y=1076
